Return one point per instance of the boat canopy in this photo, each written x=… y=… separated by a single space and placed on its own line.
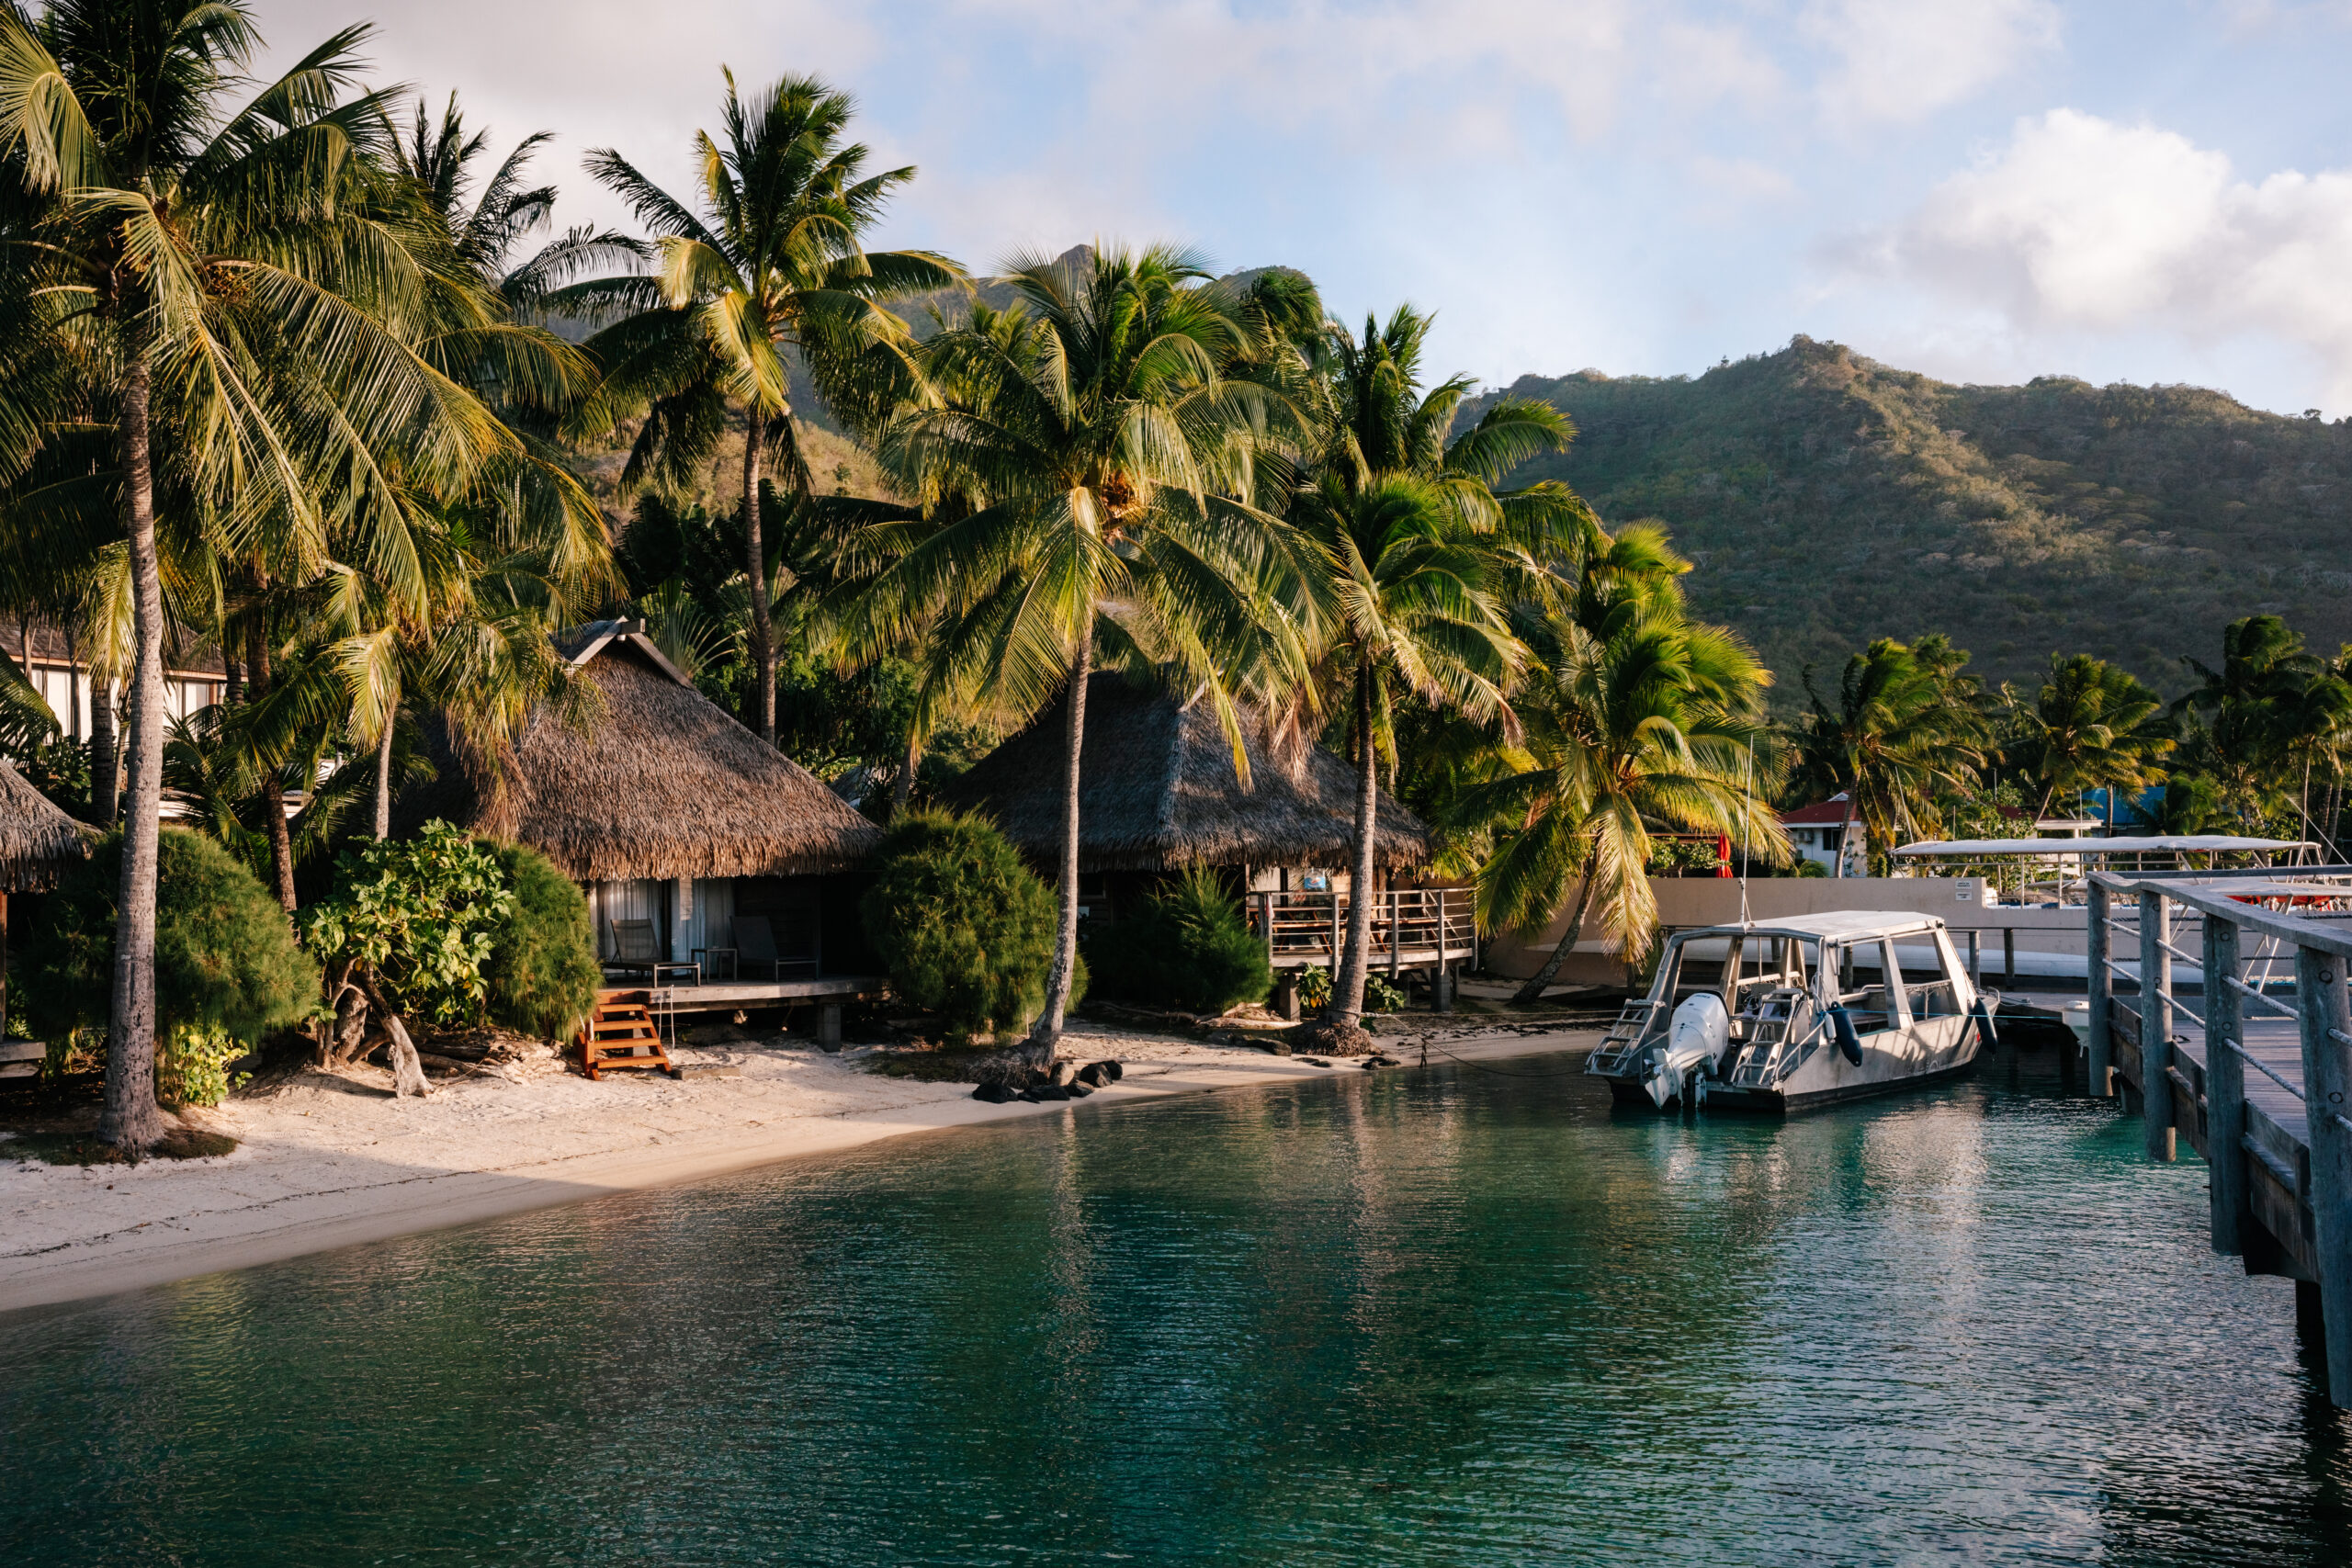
x=1835 y=925
x=2193 y=843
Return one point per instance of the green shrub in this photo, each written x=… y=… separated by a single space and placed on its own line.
x=227 y=966
x=542 y=972
x=1379 y=996
x=193 y=1066
x=1315 y=987
x=1186 y=946
x=422 y=914
x=963 y=925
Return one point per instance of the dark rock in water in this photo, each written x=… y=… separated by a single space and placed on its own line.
x=1092 y=1076
x=1078 y=1088
x=1062 y=1073
x=1040 y=1093
x=994 y=1093
x=1112 y=1070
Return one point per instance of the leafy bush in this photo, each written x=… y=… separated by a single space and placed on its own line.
x=1315 y=987
x=226 y=962
x=193 y=1066
x=1186 y=946
x=421 y=914
x=542 y=972
x=1379 y=996
x=963 y=925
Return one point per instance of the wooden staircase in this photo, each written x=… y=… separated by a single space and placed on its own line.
x=620 y=1032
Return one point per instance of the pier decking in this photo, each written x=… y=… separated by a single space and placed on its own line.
x=2255 y=1074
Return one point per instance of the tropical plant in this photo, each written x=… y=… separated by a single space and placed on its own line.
x=226 y=963
x=1904 y=725
x=542 y=973
x=414 y=922
x=245 y=314
x=1649 y=721
x=963 y=925
x=772 y=271
x=1187 y=945
x=2091 y=726
x=2267 y=716
x=1110 y=453
x=1412 y=611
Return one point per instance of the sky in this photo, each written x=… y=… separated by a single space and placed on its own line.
x=1985 y=190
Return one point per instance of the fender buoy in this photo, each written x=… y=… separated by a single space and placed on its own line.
x=1841 y=1024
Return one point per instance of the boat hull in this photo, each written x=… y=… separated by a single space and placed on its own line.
x=1926 y=1053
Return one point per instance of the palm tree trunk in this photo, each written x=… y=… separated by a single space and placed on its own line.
x=384 y=777
x=756 y=561
x=1347 y=987
x=1047 y=1034
x=903 y=788
x=272 y=789
x=1542 y=982
x=131 y=1122
x=106 y=761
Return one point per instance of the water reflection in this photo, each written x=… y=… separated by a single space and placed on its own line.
x=1448 y=1317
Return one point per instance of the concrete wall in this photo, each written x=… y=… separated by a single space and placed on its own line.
x=2049 y=941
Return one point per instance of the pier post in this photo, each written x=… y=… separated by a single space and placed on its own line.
x=2009 y=956
x=2156 y=1024
x=2099 y=1051
x=2326 y=1025
x=2224 y=1089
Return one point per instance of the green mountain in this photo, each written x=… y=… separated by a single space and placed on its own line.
x=1829 y=500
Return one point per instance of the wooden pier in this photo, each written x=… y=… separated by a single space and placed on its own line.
x=2255 y=1073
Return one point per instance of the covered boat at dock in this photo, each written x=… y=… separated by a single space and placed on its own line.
x=1777 y=1016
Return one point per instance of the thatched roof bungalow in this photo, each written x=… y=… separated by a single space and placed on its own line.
x=1158 y=793
x=37 y=840
x=666 y=810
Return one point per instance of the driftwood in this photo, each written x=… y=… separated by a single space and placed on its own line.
x=408 y=1073
x=346 y=1038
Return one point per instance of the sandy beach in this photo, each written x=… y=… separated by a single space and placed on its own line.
x=327 y=1159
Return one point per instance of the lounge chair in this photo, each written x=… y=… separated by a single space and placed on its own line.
x=755 y=947
x=637 y=951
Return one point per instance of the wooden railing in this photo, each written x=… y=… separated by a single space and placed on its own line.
x=1411 y=927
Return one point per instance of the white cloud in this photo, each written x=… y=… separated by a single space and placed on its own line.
x=1904 y=59
x=2082 y=225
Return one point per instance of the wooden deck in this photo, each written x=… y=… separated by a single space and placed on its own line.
x=1412 y=927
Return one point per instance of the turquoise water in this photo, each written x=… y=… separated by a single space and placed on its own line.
x=1430 y=1316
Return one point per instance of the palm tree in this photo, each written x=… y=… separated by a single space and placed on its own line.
x=1645 y=722
x=772 y=267
x=1906 y=724
x=2268 y=714
x=2092 y=726
x=1107 y=450
x=1411 y=612
x=253 y=316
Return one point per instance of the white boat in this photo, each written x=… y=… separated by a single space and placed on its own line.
x=1781 y=1014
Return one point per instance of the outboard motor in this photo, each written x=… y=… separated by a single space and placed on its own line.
x=1695 y=1038
x=1986 y=1035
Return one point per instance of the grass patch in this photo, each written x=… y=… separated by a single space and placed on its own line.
x=85 y=1148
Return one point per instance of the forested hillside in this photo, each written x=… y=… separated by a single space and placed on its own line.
x=1829 y=500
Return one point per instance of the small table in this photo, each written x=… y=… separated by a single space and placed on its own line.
x=711 y=955
x=664 y=968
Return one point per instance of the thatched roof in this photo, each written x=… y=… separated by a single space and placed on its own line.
x=37 y=841
x=663 y=783
x=1158 y=791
